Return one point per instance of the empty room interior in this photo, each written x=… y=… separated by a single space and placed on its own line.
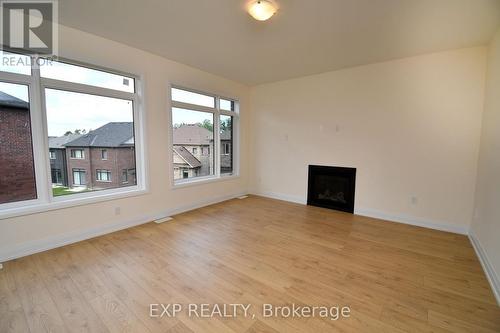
x=250 y=166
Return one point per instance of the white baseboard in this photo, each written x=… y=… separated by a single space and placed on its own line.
x=32 y=247
x=489 y=270
x=411 y=220
x=405 y=219
x=284 y=197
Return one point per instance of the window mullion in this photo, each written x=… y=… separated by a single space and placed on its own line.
x=85 y=89
x=39 y=136
x=194 y=107
x=217 y=146
x=15 y=78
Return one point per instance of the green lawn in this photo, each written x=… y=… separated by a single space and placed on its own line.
x=57 y=191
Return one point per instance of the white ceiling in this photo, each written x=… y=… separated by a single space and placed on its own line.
x=304 y=37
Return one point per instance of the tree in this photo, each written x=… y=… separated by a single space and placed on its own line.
x=68 y=133
x=226 y=124
x=207 y=124
x=80 y=131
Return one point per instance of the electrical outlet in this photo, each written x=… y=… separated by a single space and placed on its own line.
x=413 y=200
x=118 y=210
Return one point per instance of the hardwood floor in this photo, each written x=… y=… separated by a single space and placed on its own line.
x=394 y=277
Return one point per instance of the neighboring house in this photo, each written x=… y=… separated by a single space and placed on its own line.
x=192 y=149
x=185 y=164
x=103 y=158
x=17 y=174
x=58 y=161
x=192 y=141
x=226 y=151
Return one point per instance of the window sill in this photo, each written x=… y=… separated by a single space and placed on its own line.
x=68 y=202
x=202 y=180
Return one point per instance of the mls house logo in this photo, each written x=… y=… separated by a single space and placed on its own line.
x=29 y=26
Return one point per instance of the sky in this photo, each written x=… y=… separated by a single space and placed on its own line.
x=16 y=90
x=67 y=111
x=182 y=116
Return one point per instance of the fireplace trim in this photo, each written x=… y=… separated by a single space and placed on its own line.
x=343 y=171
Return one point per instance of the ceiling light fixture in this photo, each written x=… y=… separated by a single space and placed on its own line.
x=262 y=10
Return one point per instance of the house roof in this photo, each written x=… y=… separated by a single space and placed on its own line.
x=60 y=141
x=187 y=156
x=192 y=135
x=115 y=134
x=10 y=101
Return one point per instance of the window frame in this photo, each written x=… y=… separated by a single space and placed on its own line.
x=224 y=151
x=74 y=150
x=216 y=112
x=45 y=200
x=99 y=172
x=79 y=171
x=124 y=172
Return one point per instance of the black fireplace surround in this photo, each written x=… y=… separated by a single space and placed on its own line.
x=331 y=187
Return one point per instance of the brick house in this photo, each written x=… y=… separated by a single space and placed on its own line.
x=185 y=164
x=226 y=147
x=103 y=158
x=17 y=172
x=193 y=145
x=58 y=160
x=192 y=149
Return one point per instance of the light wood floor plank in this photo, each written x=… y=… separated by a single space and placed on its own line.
x=12 y=317
x=39 y=307
x=394 y=277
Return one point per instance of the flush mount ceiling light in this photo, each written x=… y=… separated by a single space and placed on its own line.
x=262 y=10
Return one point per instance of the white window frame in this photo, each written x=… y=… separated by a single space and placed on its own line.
x=45 y=200
x=104 y=154
x=52 y=155
x=99 y=172
x=82 y=155
x=217 y=112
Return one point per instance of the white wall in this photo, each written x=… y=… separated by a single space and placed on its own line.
x=485 y=230
x=27 y=233
x=411 y=127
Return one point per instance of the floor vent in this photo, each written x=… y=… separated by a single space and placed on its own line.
x=164 y=219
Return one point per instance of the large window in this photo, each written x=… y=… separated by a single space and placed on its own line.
x=92 y=120
x=203 y=142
